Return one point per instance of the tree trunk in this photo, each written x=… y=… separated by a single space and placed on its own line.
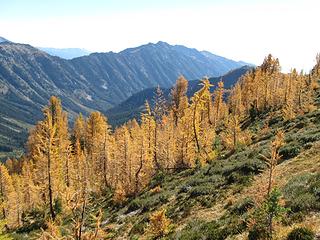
x=52 y=213
x=105 y=159
x=194 y=128
x=138 y=171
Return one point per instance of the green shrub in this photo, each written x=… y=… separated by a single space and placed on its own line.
x=310 y=137
x=304 y=202
x=157 y=180
x=207 y=201
x=264 y=217
x=58 y=206
x=164 y=198
x=258 y=233
x=275 y=120
x=238 y=178
x=303 y=193
x=301 y=233
x=201 y=190
x=134 y=205
x=138 y=228
x=289 y=151
x=243 y=206
x=33 y=220
x=307 y=145
x=200 y=230
x=293 y=217
x=184 y=189
x=300 y=125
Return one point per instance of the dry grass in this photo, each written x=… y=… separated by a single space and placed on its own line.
x=307 y=162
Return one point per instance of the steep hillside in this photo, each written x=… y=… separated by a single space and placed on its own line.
x=218 y=201
x=134 y=105
x=122 y=74
x=28 y=77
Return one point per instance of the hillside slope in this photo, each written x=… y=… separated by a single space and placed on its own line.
x=216 y=202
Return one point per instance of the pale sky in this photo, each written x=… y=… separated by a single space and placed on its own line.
x=238 y=29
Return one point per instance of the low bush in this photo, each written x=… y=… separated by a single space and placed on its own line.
x=200 y=230
x=242 y=206
x=157 y=180
x=301 y=233
x=138 y=228
x=289 y=151
x=134 y=205
x=33 y=220
x=302 y=193
x=201 y=190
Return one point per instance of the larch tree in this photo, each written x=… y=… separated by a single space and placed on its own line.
x=48 y=144
x=123 y=156
x=167 y=142
x=219 y=107
x=235 y=101
x=96 y=130
x=289 y=109
x=159 y=110
x=8 y=198
x=148 y=125
x=203 y=132
x=270 y=69
x=179 y=99
x=29 y=189
x=273 y=159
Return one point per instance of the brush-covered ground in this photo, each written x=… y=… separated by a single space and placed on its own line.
x=217 y=201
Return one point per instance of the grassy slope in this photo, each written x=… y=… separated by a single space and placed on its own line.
x=214 y=202
x=200 y=201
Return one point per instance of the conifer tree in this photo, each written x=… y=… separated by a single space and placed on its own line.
x=236 y=102
x=8 y=198
x=48 y=149
x=179 y=99
x=272 y=161
x=159 y=223
x=124 y=159
x=290 y=79
x=29 y=189
x=218 y=104
x=96 y=137
x=203 y=132
x=159 y=110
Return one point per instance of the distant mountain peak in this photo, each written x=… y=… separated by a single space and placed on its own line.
x=162 y=43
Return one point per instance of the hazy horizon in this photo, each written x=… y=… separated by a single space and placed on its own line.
x=240 y=30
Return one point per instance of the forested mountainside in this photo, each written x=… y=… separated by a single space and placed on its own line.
x=28 y=77
x=194 y=168
x=132 y=107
